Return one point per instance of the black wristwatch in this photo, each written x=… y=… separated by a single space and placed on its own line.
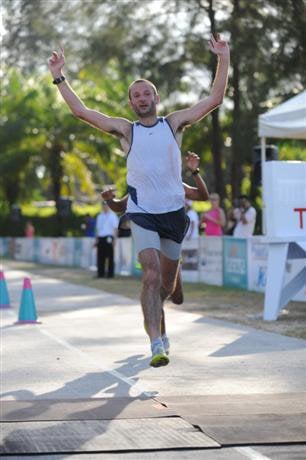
x=58 y=80
x=196 y=171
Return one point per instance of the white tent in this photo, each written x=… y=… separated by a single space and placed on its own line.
x=288 y=120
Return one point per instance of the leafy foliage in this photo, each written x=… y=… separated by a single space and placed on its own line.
x=108 y=44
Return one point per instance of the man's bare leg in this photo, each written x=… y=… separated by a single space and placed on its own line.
x=169 y=278
x=150 y=293
x=152 y=305
x=177 y=295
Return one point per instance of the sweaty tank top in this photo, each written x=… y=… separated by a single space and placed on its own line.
x=154 y=167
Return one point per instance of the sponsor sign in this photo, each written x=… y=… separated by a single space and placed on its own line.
x=211 y=260
x=235 y=262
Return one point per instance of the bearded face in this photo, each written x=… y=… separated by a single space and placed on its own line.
x=143 y=100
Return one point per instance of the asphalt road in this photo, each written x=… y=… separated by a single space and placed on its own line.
x=91 y=344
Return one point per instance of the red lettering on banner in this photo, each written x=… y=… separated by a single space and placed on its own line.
x=300 y=210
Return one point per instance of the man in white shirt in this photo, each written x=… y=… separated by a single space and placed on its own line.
x=106 y=232
x=246 y=224
x=156 y=194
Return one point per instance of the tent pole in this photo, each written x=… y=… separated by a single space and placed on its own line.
x=263 y=159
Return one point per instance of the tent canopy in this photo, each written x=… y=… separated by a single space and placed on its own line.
x=287 y=120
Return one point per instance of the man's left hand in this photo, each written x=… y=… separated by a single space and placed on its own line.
x=218 y=46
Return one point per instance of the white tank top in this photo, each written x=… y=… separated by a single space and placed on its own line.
x=154 y=168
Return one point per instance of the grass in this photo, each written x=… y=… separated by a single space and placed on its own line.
x=235 y=305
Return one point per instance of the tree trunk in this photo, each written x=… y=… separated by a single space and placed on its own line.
x=236 y=144
x=216 y=130
x=56 y=170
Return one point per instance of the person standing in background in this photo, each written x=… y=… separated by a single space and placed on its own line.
x=246 y=223
x=193 y=230
x=89 y=225
x=214 y=219
x=106 y=233
x=232 y=217
x=29 y=230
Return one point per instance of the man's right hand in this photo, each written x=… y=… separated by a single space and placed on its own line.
x=108 y=195
x=56 y=63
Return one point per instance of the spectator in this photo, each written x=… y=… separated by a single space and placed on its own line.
x=233 y=216
x=29 y=230
x=214 y=220
x=106 y=232
x=193 y=229
x=89 y=225
x=246 y=223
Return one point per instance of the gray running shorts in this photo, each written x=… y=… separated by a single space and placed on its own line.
x=145 y=239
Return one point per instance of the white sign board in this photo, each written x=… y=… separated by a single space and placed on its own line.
x=257 y=266
x=285 y=198
x=211 y=260
x=190 y=260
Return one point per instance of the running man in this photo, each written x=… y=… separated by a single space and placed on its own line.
x=156 y=194
x=198 y=193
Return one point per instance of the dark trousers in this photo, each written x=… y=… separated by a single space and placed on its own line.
x=105 y=256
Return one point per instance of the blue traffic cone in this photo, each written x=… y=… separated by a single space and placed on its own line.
x=4 y=295
x=27 y=309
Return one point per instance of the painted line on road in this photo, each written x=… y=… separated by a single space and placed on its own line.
x=250 y=453
x=118 y=375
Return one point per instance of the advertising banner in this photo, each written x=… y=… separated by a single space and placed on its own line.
x=211 y=260
x=235 y=262
x=88 y=253
x=190 y=260
x=123 y=256
x=24 y=249
x=57 y=251
x=4 y=247
x=257 y=265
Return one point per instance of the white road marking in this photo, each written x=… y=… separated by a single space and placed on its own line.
x=135 y=387
x=250 y=453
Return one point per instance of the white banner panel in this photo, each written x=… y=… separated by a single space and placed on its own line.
x=190 y=260
x=24 y=249
x=211 y=260
x=57 y=251
x=123 y=256
x=285 y=198
x=257 y=265
x=88 y=255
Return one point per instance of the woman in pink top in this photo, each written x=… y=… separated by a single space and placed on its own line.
x=214 y=219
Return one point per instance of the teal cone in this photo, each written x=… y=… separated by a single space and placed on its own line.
x=4 y=295
x=27 y=309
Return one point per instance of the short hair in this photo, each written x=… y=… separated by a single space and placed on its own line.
x=245 y=197
x=142 y=80
x=214 y=196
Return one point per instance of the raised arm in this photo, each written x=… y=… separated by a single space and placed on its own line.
x=182 y=118
x=116 y=205
x=200 y=192
x=120 y=127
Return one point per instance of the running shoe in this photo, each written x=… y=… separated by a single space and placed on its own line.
x=159 y=357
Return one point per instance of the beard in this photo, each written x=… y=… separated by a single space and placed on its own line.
x=146 y=111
